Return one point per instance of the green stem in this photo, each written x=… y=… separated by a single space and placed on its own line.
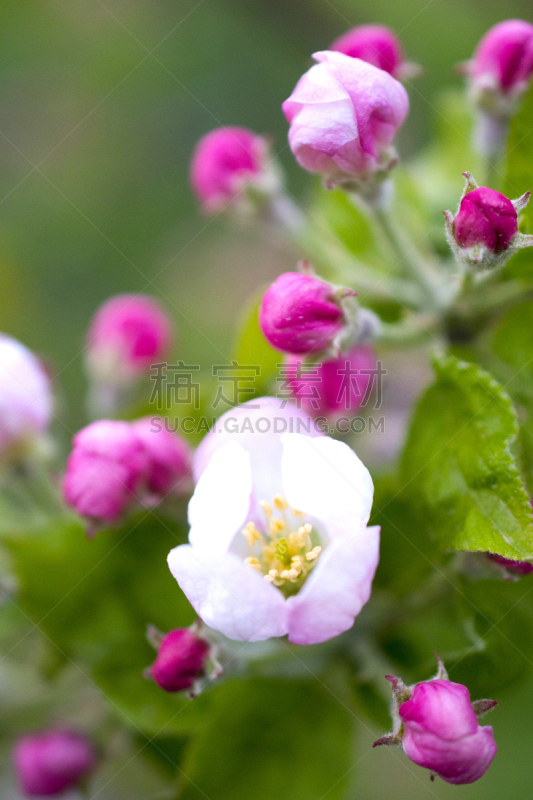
x=406 y=254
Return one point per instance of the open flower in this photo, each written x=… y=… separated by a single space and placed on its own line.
x=279 y=542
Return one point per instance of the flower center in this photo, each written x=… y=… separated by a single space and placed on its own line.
x=283 y=552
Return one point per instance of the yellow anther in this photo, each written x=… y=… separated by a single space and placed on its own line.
x=311 y=555
x=293 y=573
x=253 y=563
x=273 y=573
x=280 y=504
x=276 y=525
x=267 y=508
x=296 y=513
x=306 y=529
x=269 y=578
x=317 y=550
x=251 y=534
x=284 y=574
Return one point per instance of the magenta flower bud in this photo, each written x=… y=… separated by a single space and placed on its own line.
x=25 y=396
x=302 y=314
x=104 y=470
x=442 y=733
x=486 y=218
x=128 y=333
x=335 y=386
x=516 y=568
x=181 y=660
x=169 y=458
x=503 y=61
x=343 y=115
x=484 y=232
x=375 y=44
x=224 y=163
x=50 y=763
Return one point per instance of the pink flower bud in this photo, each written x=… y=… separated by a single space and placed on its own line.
x=25 y=397
x=442 y=733
x=49 y=763
x=503 y=61
x=485 y=217
x=169 y=458
x=517 y=568
x=335 y=386
x=484 y=233
x=128 y=333
x=343 y=115
x=104 y=470
x=301 y=314
x=224 y=162
x=375 y=44
x=181 y=660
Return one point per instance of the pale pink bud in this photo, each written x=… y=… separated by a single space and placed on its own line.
x=442 y=733
x=129 y=332
x=224 y=162
x=25 y=397
x=181 y=660
x=375 y=44
x=503 y=61
x=104 y=470
x=335 y=386
x=301 y=313
x=343 y=115
x=52 y=762
x=169 y=458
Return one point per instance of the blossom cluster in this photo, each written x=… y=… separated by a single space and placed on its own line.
x=279 y=541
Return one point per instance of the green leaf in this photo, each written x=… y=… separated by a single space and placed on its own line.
x=519 y=167
x=512 y=343
x=499 y=620
x=93 y=600
x=253 y=350
x=291 y=740
x=458 y=466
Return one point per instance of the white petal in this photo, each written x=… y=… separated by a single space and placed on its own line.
x=325 y=479
x=336 y=590
x=220 y=504
x=229 y=596
x=257 y=426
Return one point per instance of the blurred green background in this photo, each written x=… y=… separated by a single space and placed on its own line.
x=101 y=105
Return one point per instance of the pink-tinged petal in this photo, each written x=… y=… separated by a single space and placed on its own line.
x=257 y=426
x=336 y=590
x=229 y=596
x=220 y=504
x=462 y=761
x=25 y=396
x=440 y=707
x=326 y=480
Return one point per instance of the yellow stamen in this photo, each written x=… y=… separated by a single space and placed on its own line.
x=280 y=504
x=276 y=526
x=253 y=563
x=267 y=508
x=251 y=534
x=296 y=513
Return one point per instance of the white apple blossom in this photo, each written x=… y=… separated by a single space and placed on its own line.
x=279 y=542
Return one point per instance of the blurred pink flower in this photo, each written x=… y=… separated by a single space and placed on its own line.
x=25 y=396
x=49 y=763
x=224 y=162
